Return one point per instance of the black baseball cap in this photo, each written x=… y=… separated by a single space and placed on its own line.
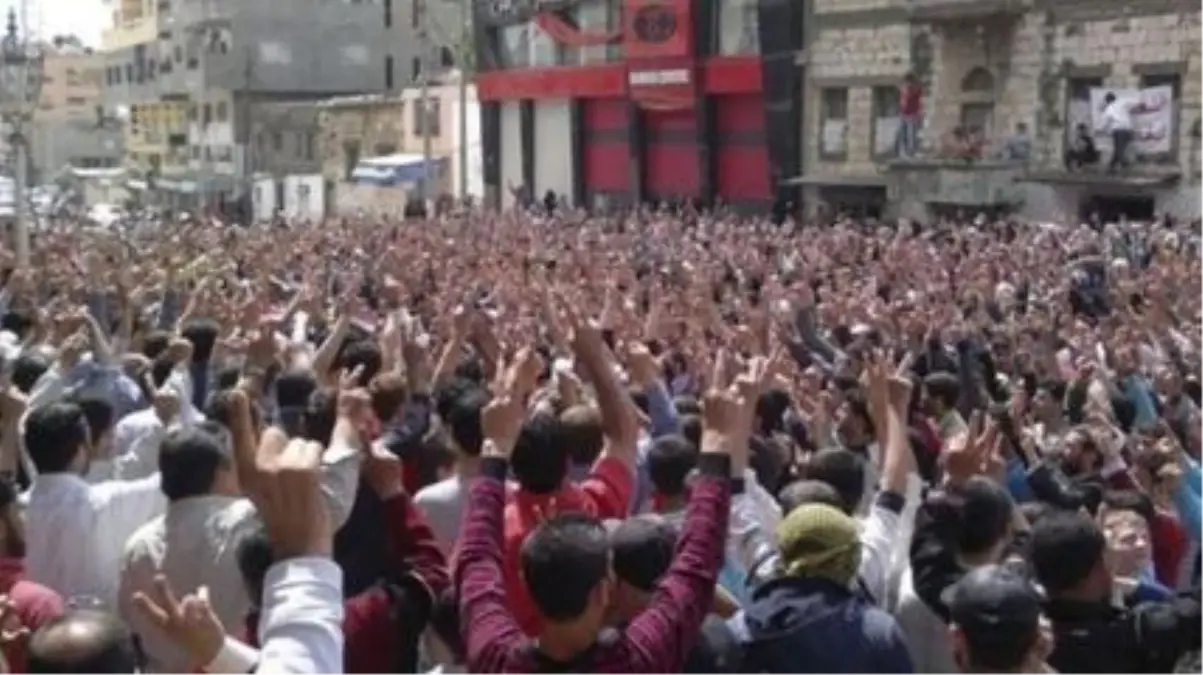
x=995 y=600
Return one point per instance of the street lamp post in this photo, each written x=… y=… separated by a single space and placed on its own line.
x=20 y=86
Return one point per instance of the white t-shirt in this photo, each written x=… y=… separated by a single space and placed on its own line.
x=1117 y=116
x=443 y=504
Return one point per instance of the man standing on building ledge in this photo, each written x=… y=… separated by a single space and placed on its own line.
x=1117 y=121
x=910 y=116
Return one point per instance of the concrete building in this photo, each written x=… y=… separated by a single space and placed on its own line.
x=70 y=126
x=72 y=76
x=996 y=64
x=192 y=72
x=355 y=129
x=627 y=101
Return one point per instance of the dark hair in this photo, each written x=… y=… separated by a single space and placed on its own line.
x=388 y=392
x=691 y=428
x=462 y=419
x=669 y=462
x=539 y=461
x=98 y=412
x=255 y=557
x=859 y=406
x=189 y=460
x=219 y=410
x=361 y=353
x=155 y=343
x=27 y=370
x=1130 y=500
x=581 y=433
x=55 y=434
x=161 y=369
x=320 y=415
x=1064 y=548
x=998 y=651
x=563 y=560
x=83 y=641
x=226 y=378
x=943 y=387
x=202 y=333
x=807 y=491
x=294 y=386
x=844 y=471
x=986 y=514
x=770 y=411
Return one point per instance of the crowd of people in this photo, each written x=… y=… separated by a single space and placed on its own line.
x=647 y=442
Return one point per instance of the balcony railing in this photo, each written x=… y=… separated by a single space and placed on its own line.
x=966 y=10
x=953 y=182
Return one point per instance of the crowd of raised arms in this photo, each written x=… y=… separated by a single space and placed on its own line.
x=531 y=442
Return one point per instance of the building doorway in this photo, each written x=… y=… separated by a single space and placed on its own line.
x=1110 y=208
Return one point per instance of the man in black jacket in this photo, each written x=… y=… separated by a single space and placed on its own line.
x=1093 y=633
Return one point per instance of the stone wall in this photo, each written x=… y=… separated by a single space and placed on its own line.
x=859 y=44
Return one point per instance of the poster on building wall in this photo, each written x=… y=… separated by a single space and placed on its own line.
x=834 y=136
x=1152 y=111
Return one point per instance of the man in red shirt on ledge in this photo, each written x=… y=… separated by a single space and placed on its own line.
x=910 y=116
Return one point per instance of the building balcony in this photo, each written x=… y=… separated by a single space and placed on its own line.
x=973 y=185
x=956 y=11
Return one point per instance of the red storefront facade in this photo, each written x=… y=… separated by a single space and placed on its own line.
x=666 y=121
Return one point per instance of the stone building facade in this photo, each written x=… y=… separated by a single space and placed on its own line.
x=992 y=64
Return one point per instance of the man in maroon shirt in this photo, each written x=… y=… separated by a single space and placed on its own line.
x=566 y=560
x=910 y=116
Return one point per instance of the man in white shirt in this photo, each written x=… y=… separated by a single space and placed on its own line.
x=196 y=542
x=76 y=531
x=1117 y=120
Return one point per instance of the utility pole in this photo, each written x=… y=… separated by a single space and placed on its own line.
x=424 y=43
x=22 y=82
x=463 y=59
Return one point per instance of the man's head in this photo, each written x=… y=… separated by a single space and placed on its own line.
x=539 y=460
x=57 y=438
x=197 y=461
x=854 y=425
x=566 y=568
x=669 y=462
x=581 y=429
x=986 y=512
x=844 y=471
x=1067 y=551
x=818 y=541
x=1109 y=99
x=808 y=491
x=83 y=641
x=99 y=414
x=995 y=625
x=940 y=393
x=1021 y=128
x=642 y=550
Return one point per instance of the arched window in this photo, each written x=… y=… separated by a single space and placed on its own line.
x=977 y=101
x=978 y=81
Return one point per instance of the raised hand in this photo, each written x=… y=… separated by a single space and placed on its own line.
x=286 y=493
x=190 y=623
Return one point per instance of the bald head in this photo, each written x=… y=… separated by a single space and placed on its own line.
x=83 y=641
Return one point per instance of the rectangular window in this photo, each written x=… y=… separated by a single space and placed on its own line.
x=417 y=14
x=207 y=114
x=833 y=123
x=415 y=69
x=388 y=13
x=431 y=118
x=1077 y=106
x=886 y=120
x=310 y=145
x=388 y=72
x=350 y=157
x=738 y=28
x=597 y=16
x=223 y=111
x=1156 y=125
x=277 y=141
